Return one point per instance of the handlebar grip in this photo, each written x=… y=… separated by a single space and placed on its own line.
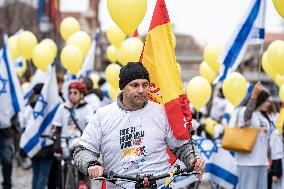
x=105 y=175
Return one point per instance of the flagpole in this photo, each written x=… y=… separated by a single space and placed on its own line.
x=259 y=57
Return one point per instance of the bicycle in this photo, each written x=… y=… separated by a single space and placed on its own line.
x=147 y=181
x=68 y=172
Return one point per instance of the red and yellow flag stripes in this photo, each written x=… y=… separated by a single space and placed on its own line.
x=158 y=56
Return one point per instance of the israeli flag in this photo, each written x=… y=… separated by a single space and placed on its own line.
x=250 y=30
x=221 y=167
x=11 y=97
x=38 y=77
x=43 y=113
x=89 y=61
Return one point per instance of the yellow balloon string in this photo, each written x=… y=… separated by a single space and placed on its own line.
x=171 y=177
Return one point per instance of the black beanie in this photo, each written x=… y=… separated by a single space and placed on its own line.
x=130 y=72
x=262 y=97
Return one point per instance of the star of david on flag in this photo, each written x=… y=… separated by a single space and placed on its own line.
x=40 y=109
x=206 y=147
x=3 y=83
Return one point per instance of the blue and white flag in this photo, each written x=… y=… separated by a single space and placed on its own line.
x=89 y=61
x=11 y=97
x=249 y=30
x=38 y=77
x=43 y=113
x=221 y=167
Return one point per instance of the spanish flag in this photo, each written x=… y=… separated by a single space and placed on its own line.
x=158 y=56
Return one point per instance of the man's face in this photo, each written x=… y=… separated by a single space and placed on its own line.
x=135 y=93
x=74 y=96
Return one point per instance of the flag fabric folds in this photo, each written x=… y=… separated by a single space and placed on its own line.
x=158 y=56
x=43 y=113
x=11 y=97
x=249 y=30
x=38 y=77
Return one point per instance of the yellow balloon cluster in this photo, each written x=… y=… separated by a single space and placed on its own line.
x=115 y=35
x=211 y=55
x=275 y=54
x=112 y=75
x=279 y=6
x=68 y=26
x=26 y=43
x=13 y=47
x=127 y=14
x=42 y=56
x=235 y=88
x=82 y=40
x=111 y=53
x=198 y=92
x=130 y=50
x=71 y=58
x=207 y=72
x=267 y=67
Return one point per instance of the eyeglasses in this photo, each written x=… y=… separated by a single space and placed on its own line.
x=73 y=92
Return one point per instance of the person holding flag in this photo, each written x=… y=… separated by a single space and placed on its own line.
x=12 y=103
x=132 y=134
x=43 y=105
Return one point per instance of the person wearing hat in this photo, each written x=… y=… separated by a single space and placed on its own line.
x=253 y=167
x=132 y=134
x=70 y=120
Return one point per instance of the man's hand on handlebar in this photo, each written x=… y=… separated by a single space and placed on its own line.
x=95 y=171
x=199 y=167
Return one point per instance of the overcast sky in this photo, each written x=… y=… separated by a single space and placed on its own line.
x=206 y=20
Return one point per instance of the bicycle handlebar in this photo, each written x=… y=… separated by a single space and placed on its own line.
x=138 y=178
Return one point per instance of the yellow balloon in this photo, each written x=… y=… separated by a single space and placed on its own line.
x=235 y=88
x=207 y=72
x=279 y=80
x=275 y=55
x=211 y=55
x=198 y=92
x=115 y=35
x=71 y=58
x=26 y=43
x=112 y=75
x=20 y=71
x=267 y=67
x=42 y=56
x=82 y=40
x=68 y=26
x=130 y=50
x=281 y=93
x=279 y=6
x=13 y=47
x=51 y=44
x=111 y=53
x=113 y=92
x=95 y=78
x=127 y=14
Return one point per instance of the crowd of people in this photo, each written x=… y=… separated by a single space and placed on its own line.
x=130 y=134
